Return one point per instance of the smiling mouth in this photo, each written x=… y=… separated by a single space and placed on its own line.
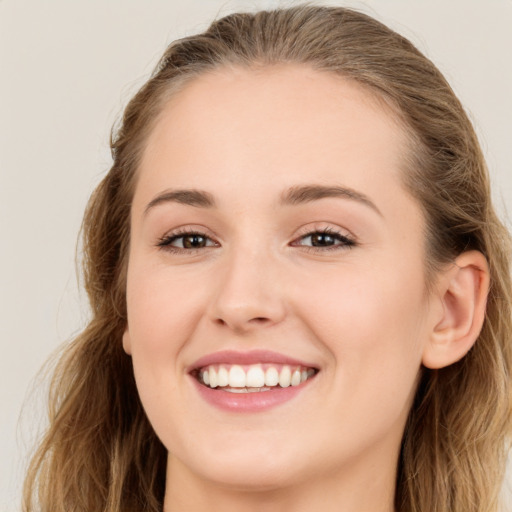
x=253 y=378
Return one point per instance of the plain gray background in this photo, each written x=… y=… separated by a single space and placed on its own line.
x=67 y=69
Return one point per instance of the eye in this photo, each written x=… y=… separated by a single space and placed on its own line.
x=186 y=241
x=325 y=239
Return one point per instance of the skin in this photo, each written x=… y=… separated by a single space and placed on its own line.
x=360 y=313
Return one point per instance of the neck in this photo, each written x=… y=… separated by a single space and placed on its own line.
x=347 y=490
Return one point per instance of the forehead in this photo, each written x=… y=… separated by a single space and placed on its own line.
x=286 y=124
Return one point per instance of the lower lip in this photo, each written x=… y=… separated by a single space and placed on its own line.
x=249 y=402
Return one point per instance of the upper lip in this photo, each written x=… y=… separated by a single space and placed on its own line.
x=251 y=357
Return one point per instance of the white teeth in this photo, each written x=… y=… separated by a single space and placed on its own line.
x=213 y=377
x=295 y=381
x=246 y=390
x=271 y=377
x=237 y=377
x=285 y=377
x=222 y=377
x=255 y=377
x=236 y=380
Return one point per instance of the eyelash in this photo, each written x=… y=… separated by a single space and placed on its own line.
x=166 y=241
x=342 y=242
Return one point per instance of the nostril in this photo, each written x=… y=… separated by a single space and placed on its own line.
x=259 y=320
x=251 y=322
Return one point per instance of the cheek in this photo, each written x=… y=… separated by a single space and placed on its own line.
x=373 y=323
x=356 y=301
x=163 y=309
x=162 y=315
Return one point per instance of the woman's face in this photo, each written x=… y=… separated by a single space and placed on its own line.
x=272 y=239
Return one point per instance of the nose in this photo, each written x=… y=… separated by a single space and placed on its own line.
x=249 y=294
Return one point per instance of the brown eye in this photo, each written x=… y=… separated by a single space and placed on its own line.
x=193 y=241
x=322 y=240
x=186 y=242
x=325 y=239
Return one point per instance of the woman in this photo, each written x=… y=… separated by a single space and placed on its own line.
x=300 y=289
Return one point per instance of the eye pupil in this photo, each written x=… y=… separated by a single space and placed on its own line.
x=322 y=239
x=194 y=241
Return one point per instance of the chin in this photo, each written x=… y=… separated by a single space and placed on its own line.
x=256 y=476
x=252 y=470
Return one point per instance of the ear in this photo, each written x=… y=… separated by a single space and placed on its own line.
x=127 y=343
x=463 y=295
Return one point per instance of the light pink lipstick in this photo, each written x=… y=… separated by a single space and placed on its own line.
x=251 y=401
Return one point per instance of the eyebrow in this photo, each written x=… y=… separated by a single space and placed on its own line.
x=293 y=196
x=190 y=197
x=307 y=193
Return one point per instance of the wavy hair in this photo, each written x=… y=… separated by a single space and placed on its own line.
x=101 y=454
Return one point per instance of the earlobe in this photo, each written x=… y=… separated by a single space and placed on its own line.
x=463 y=294
x=127 y=344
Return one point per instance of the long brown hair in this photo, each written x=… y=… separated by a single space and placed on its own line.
x=100 y=452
